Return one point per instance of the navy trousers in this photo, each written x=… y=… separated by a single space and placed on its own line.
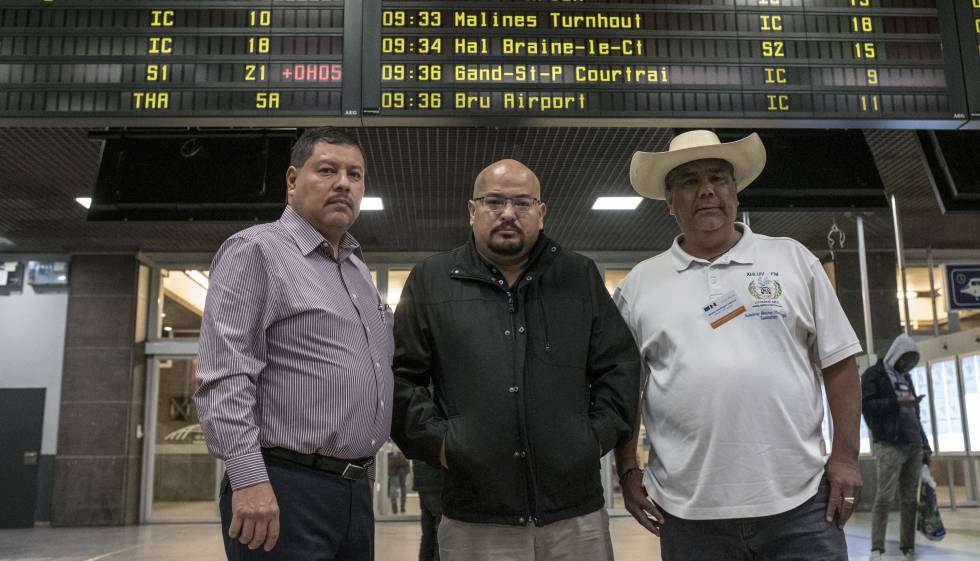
x=322 y=517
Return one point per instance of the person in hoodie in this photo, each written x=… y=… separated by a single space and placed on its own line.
x=534 y=378
x=891 y=410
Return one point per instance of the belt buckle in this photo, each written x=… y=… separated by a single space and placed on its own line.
x=353 y=472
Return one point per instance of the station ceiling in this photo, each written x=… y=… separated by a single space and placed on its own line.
x=425 y=175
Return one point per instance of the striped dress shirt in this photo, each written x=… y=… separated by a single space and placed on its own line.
x=295 y=350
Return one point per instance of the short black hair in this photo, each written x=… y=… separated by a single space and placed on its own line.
x=303 y=148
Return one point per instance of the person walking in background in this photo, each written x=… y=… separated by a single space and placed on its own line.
x=891 y=410
x=398 y=471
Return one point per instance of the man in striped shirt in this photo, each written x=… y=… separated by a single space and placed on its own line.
x=294 y=368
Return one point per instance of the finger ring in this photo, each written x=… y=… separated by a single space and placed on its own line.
x=848 y=499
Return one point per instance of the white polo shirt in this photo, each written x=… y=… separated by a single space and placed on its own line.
x=734 y=410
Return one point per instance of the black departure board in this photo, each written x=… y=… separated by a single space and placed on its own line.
x=968 y=17
x=716 y=62
x=176 y=61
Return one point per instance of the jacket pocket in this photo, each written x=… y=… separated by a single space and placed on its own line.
x=562 y=328
x=568 y=466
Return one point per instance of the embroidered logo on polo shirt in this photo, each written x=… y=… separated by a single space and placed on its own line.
x=767 y=292
x=765 y=288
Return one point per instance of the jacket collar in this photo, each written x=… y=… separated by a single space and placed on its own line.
x=743 y=252
x=308 y=238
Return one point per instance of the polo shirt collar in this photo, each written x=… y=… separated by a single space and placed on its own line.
x=308 y=238
x=743 y=252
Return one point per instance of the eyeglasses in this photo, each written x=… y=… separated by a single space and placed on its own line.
x=522 y=205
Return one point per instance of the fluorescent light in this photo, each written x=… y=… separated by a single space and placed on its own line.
x=617 y=203
x=198 y=277
x=372 y=203
x=909 y=295
x=84 y=201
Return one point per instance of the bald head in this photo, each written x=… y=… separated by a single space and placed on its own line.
x=507 y=173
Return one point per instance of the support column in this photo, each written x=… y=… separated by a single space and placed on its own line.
x=882 y=295
x=98 y=465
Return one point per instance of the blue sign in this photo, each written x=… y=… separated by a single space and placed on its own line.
x=963 y=284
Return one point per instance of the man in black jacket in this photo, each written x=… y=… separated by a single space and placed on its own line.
x=535 y=377
x=891 y=410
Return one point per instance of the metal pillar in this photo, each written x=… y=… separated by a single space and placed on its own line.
x=900 y=252
x=865 y=293
x=932 y=293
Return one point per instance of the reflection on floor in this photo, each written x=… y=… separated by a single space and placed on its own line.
x=193 y=510
x=398 y=541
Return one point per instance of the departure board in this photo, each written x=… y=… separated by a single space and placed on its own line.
x=968 y=17
x=715 y=62
x=139 y=61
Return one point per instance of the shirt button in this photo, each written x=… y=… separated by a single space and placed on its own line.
x=373 y=442
x=520 y=329
x=377 y=365
x=382 y=404
x=353 y=296
x=368 y=328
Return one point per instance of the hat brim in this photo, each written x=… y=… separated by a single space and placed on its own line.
x=648 y=170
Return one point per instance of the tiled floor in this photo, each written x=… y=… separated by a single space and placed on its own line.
x=398 y=541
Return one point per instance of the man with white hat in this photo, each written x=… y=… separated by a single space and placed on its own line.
x=737 y=332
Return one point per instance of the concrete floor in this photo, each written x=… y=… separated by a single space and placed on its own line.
x=398 y=541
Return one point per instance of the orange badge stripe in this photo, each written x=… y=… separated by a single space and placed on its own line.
x=730 y=316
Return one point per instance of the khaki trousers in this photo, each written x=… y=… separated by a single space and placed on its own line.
x=584 y=538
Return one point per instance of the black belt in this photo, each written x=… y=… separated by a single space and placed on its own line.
x=348 y=469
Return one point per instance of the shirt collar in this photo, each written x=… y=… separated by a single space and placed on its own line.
x=308 y=238
x=743 y=252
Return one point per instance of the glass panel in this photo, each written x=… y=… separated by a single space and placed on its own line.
x=396 y=282
x=945 y=391
x=918 y=295
x=613 y=277
x=182 y=302
x=921 y=383
x=395 y=484
x=185 y=475
x=970 y=366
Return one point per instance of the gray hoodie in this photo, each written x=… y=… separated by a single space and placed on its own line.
x=903 y=344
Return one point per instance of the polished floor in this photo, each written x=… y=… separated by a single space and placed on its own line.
x=398 y=541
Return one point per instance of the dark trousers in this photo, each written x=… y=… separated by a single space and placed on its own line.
x=322 y=517
x=801 y=534
x=430 y=504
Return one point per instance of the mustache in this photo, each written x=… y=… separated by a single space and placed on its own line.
x=507 y=226
x=340 y=199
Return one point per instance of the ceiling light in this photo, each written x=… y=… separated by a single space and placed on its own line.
x=198 y=277
x=84 y=201
x=372 y=203
x=617 y=203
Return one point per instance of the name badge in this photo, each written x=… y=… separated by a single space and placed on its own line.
x=722 y=310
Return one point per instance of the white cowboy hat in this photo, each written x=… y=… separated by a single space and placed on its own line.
x=648 y=170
